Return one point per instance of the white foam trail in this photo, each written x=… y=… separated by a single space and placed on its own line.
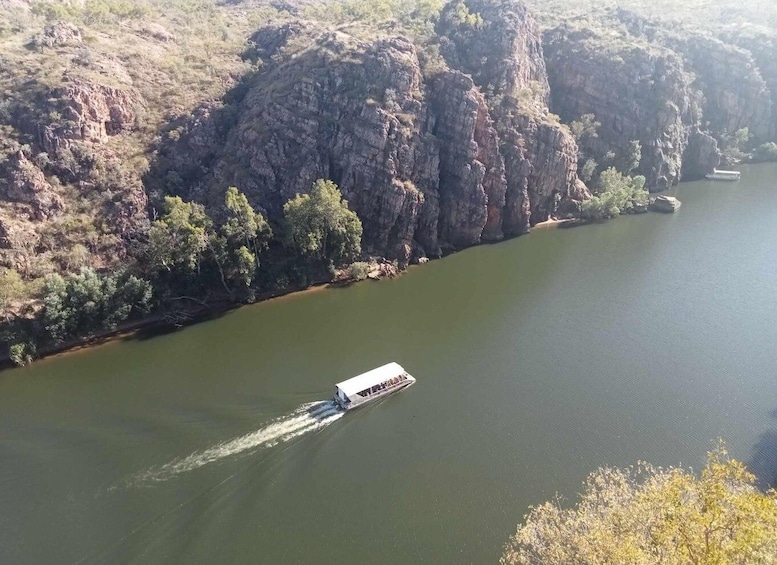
x=305 y=419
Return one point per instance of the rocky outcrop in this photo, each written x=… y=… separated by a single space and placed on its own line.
x=58 y=34
x=500 y=45
x=346 y=110
x=635 y=92
x=23 y=182
x=471 y=174
x=759 y=42
x=89 y=111
x=735 y=95
x=497 y=42
x=701 y=156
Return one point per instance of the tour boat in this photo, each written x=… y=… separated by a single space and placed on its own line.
x=372 y=385
x=724 y=175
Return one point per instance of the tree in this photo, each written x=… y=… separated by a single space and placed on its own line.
x=618 y=194
x=12 y=288
x=588 y=169
x=585 y=129
x=246 y=234
x=179 y=239
x=648 y=515
x=83 y=302
x=244 y=226
x=629 y=158
x=320 y=226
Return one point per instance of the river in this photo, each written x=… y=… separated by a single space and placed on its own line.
x=538 y=360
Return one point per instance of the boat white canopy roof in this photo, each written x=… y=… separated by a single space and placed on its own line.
x=370 y=378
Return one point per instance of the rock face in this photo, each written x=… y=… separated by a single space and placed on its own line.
x=701 y=156
x=58 y=34
x=682 y=94
x=635 y=93
x=497 y=42
x=735 y=95
x=429 y=162
x=25 y=183
x=90 y=112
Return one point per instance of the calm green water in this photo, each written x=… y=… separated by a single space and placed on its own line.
x=537 y=360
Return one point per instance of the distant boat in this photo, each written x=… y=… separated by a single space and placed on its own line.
x=724 y=175
x=372 y=385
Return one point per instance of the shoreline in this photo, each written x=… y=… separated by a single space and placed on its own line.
x=156 y=323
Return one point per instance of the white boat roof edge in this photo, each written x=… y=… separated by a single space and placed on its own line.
x=370 y=378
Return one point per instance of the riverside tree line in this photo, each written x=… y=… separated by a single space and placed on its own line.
x=186 y=254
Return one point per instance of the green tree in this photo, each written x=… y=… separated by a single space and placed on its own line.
x=585 y=129
x=588 y=170
x=246 y=234
x=629 y=158
x=321 y=227
x=86 y=301
x=618 y=194
x=180 y=237
x=12 y=289
x=648 y=515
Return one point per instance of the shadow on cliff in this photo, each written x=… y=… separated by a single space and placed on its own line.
x=763 y=461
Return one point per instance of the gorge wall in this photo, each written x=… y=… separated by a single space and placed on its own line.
x=682 y=93
x=430 y=159
x=440 y=139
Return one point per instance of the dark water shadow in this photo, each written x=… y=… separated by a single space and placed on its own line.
x=763 y=461
x=166 y=327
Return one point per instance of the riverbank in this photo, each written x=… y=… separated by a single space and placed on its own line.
x=165 y=322
x=159 y=323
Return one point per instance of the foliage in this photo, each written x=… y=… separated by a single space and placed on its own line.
x=359 y=270
x=618 y=194
x=179 y=238
x=588 y=169
x=246 y=233
x=648 y=515
x=81 y=303
x=765 y=153
x=734 y=145
x=12 y=289
x=585 y=129
x=320 y=226
x=21 y=351
x=629 y=158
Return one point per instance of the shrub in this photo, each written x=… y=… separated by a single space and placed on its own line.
x=359 y=270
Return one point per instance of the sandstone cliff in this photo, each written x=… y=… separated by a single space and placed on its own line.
x=429 y=160
x=681 y=92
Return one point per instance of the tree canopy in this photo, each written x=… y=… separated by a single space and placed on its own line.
x=82 y=302
x=618 y=194
x=12 y=288
x=178 y=239
x=648 y=515
x=320 y=225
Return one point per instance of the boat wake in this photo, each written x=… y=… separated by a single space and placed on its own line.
x=305 y=419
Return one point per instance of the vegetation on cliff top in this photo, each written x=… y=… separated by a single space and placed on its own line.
x=647 y=515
